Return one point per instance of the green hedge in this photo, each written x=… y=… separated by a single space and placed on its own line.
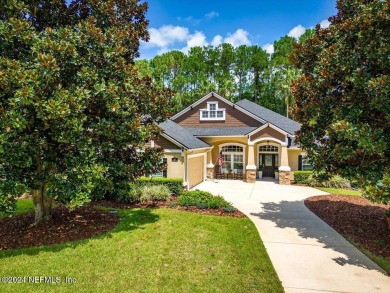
x=204 y=200
x=175 y=185
x=302 y=177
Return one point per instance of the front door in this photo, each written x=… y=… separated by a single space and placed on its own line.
x=268 y=164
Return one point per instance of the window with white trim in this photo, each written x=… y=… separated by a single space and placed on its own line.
x=212 y=112
x=268 y=149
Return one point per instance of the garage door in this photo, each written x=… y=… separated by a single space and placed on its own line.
x=195 y=170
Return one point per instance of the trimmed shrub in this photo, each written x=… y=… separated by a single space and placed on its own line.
x=303 y=177
x=133 y=195
x=333 y=182
x=175 y=185
x=154 y=193
x=192 y=198
x=203 y=200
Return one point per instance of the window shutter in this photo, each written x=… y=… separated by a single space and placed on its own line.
x=300 y=162
x=166 y=168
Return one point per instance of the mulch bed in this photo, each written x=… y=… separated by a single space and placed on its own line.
x=356 y=218
x=85 y=222
x=170 y=204
x=64 y=226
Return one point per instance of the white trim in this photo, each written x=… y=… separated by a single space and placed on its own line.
x=152 y=144
x=268 y=125
x=209 y=166
x=217 y=109
x=232 y=153
x=212 y=94
x=274 y=153
x=268 y=139
x=173 y=151
x=251 y=167
x=285 y=168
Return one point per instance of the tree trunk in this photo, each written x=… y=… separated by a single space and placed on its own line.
x=42 y=204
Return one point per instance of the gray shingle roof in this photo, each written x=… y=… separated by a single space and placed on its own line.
x=219 y=131
x=182 y=136
x=284 y=123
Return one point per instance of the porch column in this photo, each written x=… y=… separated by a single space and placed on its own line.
x=284 y=169
x=210 y=166
x=251 y=167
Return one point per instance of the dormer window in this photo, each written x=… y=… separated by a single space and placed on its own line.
x=212 y=112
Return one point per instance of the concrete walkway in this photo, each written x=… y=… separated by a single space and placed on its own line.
x=308 y=255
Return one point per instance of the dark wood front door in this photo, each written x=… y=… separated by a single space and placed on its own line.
x=268 y=164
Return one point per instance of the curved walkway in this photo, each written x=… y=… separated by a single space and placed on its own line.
x=308 y=255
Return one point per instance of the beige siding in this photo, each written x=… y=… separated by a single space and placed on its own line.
x=293 y=159
x=268 y=132
x=175 y=169
x=195 y=170
x=234 y=117
x=216 y=141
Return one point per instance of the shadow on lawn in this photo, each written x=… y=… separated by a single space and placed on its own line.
x=288 y=214
x=130 y=220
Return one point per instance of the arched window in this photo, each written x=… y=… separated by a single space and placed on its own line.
x=232 y=158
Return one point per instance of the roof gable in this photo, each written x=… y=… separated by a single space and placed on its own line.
x=214 y=95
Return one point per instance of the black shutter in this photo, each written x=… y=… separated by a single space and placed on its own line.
x=166 y=168
x=300 y=162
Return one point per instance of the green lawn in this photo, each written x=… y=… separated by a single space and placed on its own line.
x=340 y=191
x=152 y=250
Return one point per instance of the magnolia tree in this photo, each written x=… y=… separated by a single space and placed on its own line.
x=74 y=113
x=343 y=96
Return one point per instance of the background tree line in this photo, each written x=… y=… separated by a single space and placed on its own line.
x=244 y=72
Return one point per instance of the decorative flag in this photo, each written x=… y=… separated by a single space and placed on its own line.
x=220 y=158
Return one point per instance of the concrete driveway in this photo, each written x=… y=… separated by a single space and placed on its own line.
x=308 y=255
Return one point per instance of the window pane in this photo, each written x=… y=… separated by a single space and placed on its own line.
x=232 y=148
x=212 y=114
x=268 y=149
x=212 y=107
x=205 y=114
x=219 y=114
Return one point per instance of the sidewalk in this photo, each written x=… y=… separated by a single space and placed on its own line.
x=307 y=254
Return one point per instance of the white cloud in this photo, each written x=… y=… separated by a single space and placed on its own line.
x=211 y=15
x=167 y=35
x=196 y=40
x=325 y=23
x=217 y=40
x=297 y=31
x=269 y=48
x=240 y=37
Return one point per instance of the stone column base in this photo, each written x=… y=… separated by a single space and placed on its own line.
x=210 y=173
x=284 y=177
x=250 y=176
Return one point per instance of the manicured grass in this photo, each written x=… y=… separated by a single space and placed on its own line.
x=23 y=206
x=340 y=191
x=152 y=250
x=381 y=261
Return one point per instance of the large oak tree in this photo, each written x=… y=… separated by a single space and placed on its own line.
x=343 y=95
x=74 y=112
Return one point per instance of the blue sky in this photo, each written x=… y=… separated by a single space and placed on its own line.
x=184 y=24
